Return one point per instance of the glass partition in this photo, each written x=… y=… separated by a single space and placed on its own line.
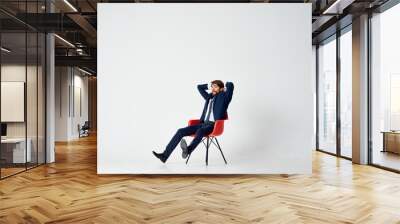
x=14 y=154
x=32 y=95
x=33 y=73
x=22 y=101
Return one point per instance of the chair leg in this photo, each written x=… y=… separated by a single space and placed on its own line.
x=204 y=143
x=219 y=147
x=208 y=146
x=187 y=160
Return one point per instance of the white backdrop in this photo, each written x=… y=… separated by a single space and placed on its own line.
x=151 y=58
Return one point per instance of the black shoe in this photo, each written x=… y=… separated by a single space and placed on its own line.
x=185 y=151
x=160 y=156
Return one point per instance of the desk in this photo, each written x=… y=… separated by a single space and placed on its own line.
x=391 y=141
x=15 y=148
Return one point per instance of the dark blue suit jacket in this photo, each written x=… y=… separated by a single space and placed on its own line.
x=221 y=101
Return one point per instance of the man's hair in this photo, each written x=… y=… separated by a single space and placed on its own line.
x=219 y=83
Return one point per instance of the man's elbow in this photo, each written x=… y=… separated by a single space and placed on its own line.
x=229 y=85
x=202 y=86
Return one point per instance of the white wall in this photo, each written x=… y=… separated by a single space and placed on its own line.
x=61 y=103
x=68 y=82
x=149 y=69
x=80 y=109
x=18 y=73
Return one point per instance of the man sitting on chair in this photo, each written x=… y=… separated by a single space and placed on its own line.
x=215 y=108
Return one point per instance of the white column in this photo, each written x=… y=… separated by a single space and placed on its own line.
x=360 y=90
x=50 y=110
x=50 y=92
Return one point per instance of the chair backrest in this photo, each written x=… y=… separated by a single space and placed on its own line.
x=218 y=128
x=193 y=122
x=86 y=124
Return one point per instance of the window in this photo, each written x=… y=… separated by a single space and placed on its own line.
x=385 y=89
x=334 y=138
x=327 y=96
x=346 y=93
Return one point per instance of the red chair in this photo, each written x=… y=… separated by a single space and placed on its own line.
x=211 y=138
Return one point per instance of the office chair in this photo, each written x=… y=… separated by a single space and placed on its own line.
x=84 y=130
x=211 y=138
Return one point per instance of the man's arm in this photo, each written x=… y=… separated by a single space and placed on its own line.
x=229 y=91
x=202 y=89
